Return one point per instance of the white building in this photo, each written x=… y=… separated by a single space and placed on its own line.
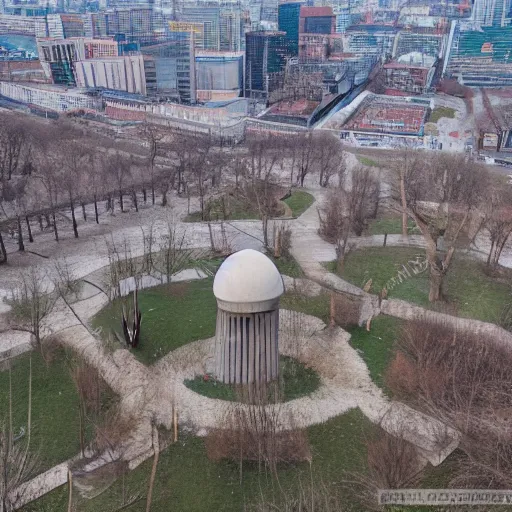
x=49 y=97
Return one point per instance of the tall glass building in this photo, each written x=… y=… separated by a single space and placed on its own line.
x=265 y=59
x=289 y=16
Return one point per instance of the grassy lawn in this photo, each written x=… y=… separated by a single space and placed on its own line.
x=296 y=380
x=439 y=112
x=472 y=293
x=188 y=482
x=391 y=226
x=376 y=345
x=172 y=315
x=315 y=306
x=287 y=266
x=55 y=425
x=178 y=313
x=299 y=202
x=369 y=162
x=236 y=209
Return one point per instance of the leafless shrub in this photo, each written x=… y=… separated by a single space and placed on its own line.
x=251 y=433
x=112 y=430
x=310 y=497
x=346 y=309
x=282 y=236
x=464 y=381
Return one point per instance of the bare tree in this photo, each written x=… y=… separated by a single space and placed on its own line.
x=74 y=167
x=153 y=140
x=443 y=198
x=498 y=221
x=347 y=212
x=407 y=165
x=307 y=155
x=47 y=173
x=330 y=158
x=119 y=170
x=31 y=302
x=13 y=139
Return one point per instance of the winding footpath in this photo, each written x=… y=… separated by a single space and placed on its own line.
x=150 y=394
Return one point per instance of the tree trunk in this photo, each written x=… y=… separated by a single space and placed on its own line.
x=96 y=210
x=436 y=284
x=153 y=194
x=121 y=200
x=40 y=220
x=144 y=195
x=29 y=230
x=55 y=227
x=164 y=197
x=3 y=252
x=403 y=199
x=73 y=218
x=135 y=202
x=21 y=245
x=84 y=214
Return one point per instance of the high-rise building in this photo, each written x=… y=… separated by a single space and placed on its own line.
x=210 y=18
x=289 y=16
x=190 y=26
x=231 y=29
x=492 y=13
x=170 y=68
x=265 y=59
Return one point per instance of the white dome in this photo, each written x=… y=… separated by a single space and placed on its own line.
x=247 y=282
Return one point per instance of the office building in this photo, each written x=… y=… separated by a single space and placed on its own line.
x=288 y=21
x=209 y=17
x=122 y=73
x=219 y=75
x=492 y=13
x=170 y=68
x=59 y=56
x=266 y=54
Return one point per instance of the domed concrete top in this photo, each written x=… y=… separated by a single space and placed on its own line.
x=247 y=282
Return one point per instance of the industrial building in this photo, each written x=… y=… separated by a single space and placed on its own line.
x=266 y=54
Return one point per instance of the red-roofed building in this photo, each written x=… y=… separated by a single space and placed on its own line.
x=317 y=20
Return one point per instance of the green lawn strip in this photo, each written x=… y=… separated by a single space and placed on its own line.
x=369 y=162
x=299 y=201
x=440 y=112
x=187 y=481
x=287 y=266
x=236 y=209
x=391 y=226
x=468 y=289
x=315 y=306
x=55 y=422
x=376 y=346
x=296 y=380
x=172 y=315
